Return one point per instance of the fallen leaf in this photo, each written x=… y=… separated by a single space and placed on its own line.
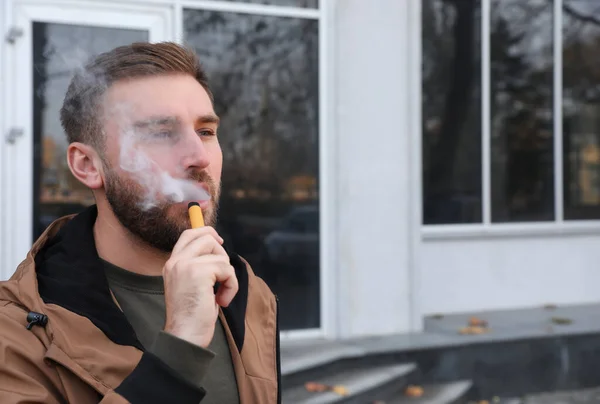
x=315 y=387
x=414 y=391
x=561 y=320
x=340 y=390
x=437 y=316
x=474 y=322
x=473 y=330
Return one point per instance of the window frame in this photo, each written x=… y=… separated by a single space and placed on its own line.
x=487 y=228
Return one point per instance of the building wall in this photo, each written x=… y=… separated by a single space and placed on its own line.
x=506 y=272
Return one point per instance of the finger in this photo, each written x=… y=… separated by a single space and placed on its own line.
x=228 y=287
x=226 y=293
x=222 y=272
x=206 y=245
x=213 y=268
x=190 y=235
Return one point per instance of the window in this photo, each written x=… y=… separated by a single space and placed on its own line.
x=451 y=110
x=264 y=72
x=508 y=138
x=581 y=108
x=521 y=106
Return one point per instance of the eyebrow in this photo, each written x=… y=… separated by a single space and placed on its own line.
x=156 y=121
x=208 y=118
x=173 y=121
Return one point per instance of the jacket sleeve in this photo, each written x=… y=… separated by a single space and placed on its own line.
x=26 y=378
x=152 y=381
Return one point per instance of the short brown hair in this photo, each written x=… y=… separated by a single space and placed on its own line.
x=79 y=114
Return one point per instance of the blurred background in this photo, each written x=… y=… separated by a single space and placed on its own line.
x=417 y=180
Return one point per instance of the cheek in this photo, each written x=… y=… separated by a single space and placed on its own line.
x=166 y=161
x=216 y=162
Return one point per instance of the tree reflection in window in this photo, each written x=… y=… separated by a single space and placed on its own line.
x=521 y=81
x=451 y=111
x=264 y=73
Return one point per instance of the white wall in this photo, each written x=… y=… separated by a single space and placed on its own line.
x=508 y=272
x=373 y=235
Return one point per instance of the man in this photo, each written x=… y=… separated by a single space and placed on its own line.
x=124 y=302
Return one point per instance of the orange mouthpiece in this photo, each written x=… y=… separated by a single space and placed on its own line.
x=196 y=217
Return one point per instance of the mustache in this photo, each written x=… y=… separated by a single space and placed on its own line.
x=203 y=176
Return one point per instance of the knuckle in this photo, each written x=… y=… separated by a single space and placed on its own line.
x=169 y=265
x=187 y=233
x=208 y=238
x=178 y=267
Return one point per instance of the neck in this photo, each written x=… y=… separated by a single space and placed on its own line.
x=118 y=246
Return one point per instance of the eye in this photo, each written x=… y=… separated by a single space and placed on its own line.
x=205 y=132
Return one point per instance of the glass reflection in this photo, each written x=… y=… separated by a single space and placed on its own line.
x=522 y=171
x=581 y=109
x=264 y=73
x=59 y=49
x=451 y=111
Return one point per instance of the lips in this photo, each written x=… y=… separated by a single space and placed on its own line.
x=205 y=186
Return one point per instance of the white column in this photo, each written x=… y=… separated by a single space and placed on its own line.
x=372 y=95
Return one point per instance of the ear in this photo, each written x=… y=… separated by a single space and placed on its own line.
x=85 y=165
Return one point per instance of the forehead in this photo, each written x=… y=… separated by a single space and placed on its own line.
x=180 y=96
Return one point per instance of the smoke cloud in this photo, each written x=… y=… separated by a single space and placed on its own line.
x=159 y=186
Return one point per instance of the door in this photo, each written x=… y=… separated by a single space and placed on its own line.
x=54 y=38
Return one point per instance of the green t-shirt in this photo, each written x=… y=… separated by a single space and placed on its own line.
x=142 y=299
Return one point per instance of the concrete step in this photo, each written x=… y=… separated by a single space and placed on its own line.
x=361 y=384
x=577 y=396
x=446 y=393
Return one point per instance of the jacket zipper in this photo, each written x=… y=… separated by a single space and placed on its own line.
x=277 y=347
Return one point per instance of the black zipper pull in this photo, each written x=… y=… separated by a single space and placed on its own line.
x=34 y=318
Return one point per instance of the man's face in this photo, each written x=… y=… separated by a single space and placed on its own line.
x=160 y=131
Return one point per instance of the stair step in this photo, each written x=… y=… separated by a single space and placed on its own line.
x=360 y=384
x=446 y=393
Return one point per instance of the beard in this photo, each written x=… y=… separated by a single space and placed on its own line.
x=159 y=226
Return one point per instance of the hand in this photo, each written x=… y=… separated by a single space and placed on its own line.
x=197 y=262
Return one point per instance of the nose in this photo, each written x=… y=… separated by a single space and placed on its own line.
x=195 y=154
